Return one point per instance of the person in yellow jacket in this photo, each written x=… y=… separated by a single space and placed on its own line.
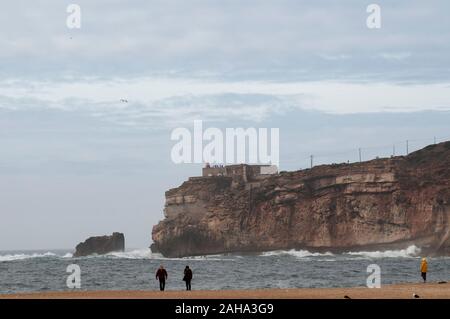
x=424 y=269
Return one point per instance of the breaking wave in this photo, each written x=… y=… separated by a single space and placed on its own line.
x=411 y=251
x=133 y=254
x=219 y=257
x=146 y=253
x=295 y=253
x=12 y=257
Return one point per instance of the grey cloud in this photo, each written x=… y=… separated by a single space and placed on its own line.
x=227 y=40
x=169 y=112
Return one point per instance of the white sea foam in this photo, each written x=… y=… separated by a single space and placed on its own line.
x=295 y=253
x=411 y=251
x=145 y=253
x=199 y=258
x=211 y=257
x=12 y=257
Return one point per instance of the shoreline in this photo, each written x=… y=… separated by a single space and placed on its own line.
x=395 y=291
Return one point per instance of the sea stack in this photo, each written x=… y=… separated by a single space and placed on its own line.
x=386 y=203
x=101 y=245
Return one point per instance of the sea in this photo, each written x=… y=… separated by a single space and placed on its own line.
x=40 y=271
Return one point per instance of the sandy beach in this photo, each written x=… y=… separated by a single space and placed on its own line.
x=400 y=291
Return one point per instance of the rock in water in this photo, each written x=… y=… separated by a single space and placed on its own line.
x=386 y=203
x=101 y=245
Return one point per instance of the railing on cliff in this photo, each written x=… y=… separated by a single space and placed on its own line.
x=359 y=154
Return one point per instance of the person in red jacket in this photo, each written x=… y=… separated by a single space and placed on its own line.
x=161 y=275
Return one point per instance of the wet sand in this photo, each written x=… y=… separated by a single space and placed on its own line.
x=400 y=291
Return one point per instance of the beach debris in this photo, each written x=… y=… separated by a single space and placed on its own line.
x=442 y=282
x=416 y=296
x=347 y=297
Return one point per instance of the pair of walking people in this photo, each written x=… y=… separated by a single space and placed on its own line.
x=162 y=276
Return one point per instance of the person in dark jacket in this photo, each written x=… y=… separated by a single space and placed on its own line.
x=187 y=277
x=161 y=275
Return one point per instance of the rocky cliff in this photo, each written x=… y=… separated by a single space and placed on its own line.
x=380 y=204
x=100 y=245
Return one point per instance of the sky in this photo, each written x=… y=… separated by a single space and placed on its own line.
x=77 y=161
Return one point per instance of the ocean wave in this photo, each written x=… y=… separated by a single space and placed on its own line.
x=145 y=253
x=295 y=253
x=216 y=257
x=411 y=251
x=12 y=257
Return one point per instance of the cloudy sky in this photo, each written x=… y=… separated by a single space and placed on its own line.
x=77 y=161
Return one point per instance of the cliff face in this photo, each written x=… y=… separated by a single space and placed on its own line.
x=100 y=245
x=380 y=204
